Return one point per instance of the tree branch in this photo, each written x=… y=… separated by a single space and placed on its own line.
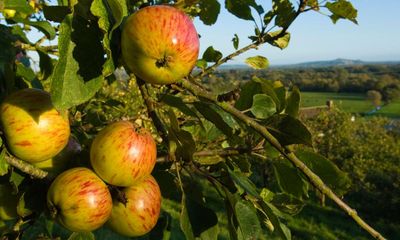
x=286 y=152
x=26 y=167
x=151 y=110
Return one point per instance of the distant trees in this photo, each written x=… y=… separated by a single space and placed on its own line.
x=383 y=78
x=375 y=97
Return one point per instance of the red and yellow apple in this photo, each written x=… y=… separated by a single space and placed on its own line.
x=34 y=130
x=140 y=213
x=8 y=203
x=123 y=153
x=159 y=44
x=79 y=200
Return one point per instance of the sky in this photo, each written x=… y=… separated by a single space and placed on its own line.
x=314 y=37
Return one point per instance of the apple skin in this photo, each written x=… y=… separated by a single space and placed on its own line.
x=160 y=44
x=79 y=200
x=122 y=153
x=34 y=130
x=8 y=203
x=141 y=212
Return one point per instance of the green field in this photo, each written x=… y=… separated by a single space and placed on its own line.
x=349 y=102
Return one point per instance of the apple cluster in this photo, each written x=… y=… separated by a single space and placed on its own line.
x=160 y=45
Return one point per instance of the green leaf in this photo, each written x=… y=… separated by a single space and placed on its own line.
x=45 y=64
x=19 y=5
x=22 y=210
x=209 y=11
x=293 y=103
x=268 y=17
x=177 y=102
x=68 y=88
x=212 y=55
x=326 y=170
x=19 y=31
x=213 y=116
x=287 y=203
x=263 y=106
x=243 y=182
x=281 y=42
x=186 y=227
x=248 y=90
x=56 y=13
x=257 y=62
x=284 y=11
x=235 y=41
x=342 y=9
x=81 y=236
x=25 y=72
x=242 y=8
x=201 y=63
x=290 y=180
x=16 y=179
x=201 y=217
x=289 y=130
x=3 y=163
x=248 y=222
x=280 y=92
x=45 y=27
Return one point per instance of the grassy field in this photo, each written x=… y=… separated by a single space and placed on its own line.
x=349 y=102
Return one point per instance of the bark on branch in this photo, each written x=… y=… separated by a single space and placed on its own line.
x=26 y=167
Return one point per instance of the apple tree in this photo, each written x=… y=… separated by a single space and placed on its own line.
x=230 y=161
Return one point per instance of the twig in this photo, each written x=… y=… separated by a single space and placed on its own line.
x=26 y=167
x=151 y=110
x=286 y=152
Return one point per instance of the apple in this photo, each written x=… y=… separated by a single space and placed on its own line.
x=123 y=153
x=159 y=44
x=140 y=213
x=34 y=130
x=8 y=203
x=79 y=200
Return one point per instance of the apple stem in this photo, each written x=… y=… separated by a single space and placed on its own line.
x=118 y=194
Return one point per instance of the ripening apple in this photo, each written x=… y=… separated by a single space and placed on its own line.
x=8 y=203
x=34 y=130
x=140 y=213
x=123 y=153
x=79 y=200
x=159 y=44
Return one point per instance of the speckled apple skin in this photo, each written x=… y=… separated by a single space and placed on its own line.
x=141 y=212
x=122 y=154
x=34 y=130
x=82 y=200
x=153 y=33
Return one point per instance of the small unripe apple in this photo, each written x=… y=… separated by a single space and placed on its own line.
x=34 y=130
x=8 y=203
x=79 y=200
x=160 y=44
x=123 y=153
x=140 y=213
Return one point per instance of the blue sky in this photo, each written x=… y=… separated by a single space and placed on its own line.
x=315 y=37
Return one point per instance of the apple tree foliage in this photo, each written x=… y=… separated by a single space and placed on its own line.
x=232 y=163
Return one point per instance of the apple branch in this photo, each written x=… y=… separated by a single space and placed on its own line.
x=314 y=179
x=261 y=40
x=151 y=110
x=26 y=167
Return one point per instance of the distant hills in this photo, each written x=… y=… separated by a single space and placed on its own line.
x=315 y=64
